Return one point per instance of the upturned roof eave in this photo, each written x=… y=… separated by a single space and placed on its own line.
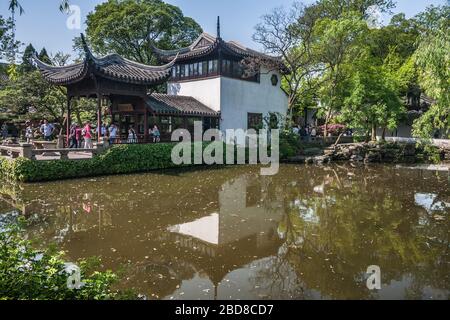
x=229 y=48
x=99 y=66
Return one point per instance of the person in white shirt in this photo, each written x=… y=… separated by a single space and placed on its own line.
x=47 y=130
x=112 y=133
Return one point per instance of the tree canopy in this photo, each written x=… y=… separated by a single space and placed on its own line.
x=7 y=42
x=130 y=28
x=433 y=60
x=29 y=52
x=363 y=75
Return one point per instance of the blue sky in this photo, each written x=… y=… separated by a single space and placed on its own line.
x=44 y=25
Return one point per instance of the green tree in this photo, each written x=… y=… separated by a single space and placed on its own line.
x=7 y=44
x=433 y=60
x=14 y=5
x=60 y=59
x=397 y=42
x=44 y=57
x=130 y=28
x=337 y=46
x=400 y=33
x=30 y=95
x=334 y=9
x=26 y=65
x=373 y=100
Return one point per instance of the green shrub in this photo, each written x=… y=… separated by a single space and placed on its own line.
x=428 y=152
x=29 y=274
x=359 y=138
x=289 y=145
x=116 y=160
x=119 y=159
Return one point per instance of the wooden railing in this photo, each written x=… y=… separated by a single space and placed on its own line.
x=141 y=139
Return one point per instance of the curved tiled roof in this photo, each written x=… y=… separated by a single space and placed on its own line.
x=181 y=105
x=62 y=75
x=113 y=67
x=213 y=43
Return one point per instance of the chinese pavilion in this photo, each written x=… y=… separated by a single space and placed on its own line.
x=125 y=87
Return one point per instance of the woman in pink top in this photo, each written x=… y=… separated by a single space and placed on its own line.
x=87 y=134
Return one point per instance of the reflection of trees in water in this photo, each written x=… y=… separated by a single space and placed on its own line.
x=371 y=220
x=276 y=278
x=157 y=277
x=335 y=221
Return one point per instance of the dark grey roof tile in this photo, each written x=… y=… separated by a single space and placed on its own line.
x=178 y=105
x=112 y=66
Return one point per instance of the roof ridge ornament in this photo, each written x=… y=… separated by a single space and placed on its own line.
x=86 y=48
x=34 y=60
x=218 y=27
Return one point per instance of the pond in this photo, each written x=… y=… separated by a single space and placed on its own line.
x=309 y=232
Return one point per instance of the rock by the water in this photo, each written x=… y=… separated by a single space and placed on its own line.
x=371 y=152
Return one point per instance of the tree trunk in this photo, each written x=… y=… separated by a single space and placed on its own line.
x=77 y=114
x=383 y=135
x=338 y=139
x=327 y=121
x=374 y=132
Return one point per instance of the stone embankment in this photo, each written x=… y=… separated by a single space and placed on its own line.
x=371 y=153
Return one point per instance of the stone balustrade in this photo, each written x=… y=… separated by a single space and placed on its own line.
x=28 y=151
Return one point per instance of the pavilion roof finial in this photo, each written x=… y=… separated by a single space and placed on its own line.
x=218 y=26
x=86 y=48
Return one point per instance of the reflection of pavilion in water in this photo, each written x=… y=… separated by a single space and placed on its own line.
x=242 y=231
x=242 y=216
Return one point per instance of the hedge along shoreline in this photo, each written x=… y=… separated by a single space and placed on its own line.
x=119 y=159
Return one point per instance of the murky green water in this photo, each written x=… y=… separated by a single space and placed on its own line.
x=307 y=233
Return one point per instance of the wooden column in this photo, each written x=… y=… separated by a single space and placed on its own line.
x=99 y=117
x=68 y=122
x=146 y=126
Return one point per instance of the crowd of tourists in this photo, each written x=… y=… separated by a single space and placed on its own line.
x=310 y=132
x=81 y=137
x=305 y=132
x=44 y=130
